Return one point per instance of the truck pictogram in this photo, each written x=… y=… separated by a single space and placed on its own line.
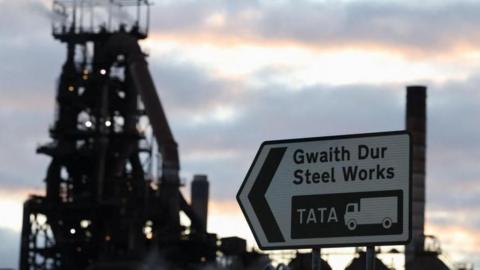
x=375 y=210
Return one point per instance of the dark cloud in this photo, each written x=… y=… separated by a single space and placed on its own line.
x=267 y=114
x=31 y=58
x=31 y=62
x=185 y=87
x=23 y=21
x=276 y=112
x=397 y=24
x=21 y=132
x=453 y=146
x=425 y=28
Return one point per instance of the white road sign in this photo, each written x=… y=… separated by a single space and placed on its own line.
x=346 y=190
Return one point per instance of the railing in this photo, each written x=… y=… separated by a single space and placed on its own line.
x=98 y=16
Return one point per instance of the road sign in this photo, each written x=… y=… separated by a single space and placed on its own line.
x=349 y=190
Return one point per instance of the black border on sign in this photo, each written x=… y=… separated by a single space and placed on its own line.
x=337 y=137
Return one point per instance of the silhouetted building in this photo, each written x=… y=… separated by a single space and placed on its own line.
x=427 y=258
x=303 y=261
x=359 y=263
x=104 y=208
x=416 y=255
x=416 y=124
x=199 y=202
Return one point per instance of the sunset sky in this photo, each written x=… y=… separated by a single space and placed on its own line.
x=232 y=74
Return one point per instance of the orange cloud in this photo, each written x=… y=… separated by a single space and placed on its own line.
x=259 y=61
x=19 y=193
x=458 y=242
x=228 y=40
x=11 y=206
x=226 y=219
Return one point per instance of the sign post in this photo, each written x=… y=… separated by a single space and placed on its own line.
x=340 y=191
x=370 y=258
x=316 y=259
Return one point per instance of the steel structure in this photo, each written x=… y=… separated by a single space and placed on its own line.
x=103 y=207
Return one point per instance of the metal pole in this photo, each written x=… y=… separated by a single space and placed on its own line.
x=370 y=258
x=316 y=259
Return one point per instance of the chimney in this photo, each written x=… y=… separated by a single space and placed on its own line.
x=199 y=200
x=416 y=125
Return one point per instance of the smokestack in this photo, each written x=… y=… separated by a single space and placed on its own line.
x=416 y=124
x=200 y=198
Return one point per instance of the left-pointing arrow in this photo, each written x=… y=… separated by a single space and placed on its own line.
x=257 y=195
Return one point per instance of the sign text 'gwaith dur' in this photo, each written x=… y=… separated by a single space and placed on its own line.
x=330 y=191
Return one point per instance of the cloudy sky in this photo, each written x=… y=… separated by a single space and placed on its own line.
x=232 y=74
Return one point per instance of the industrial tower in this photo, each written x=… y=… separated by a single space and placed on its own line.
x=105 y=207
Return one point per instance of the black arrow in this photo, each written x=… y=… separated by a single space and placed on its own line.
x=257 y=195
